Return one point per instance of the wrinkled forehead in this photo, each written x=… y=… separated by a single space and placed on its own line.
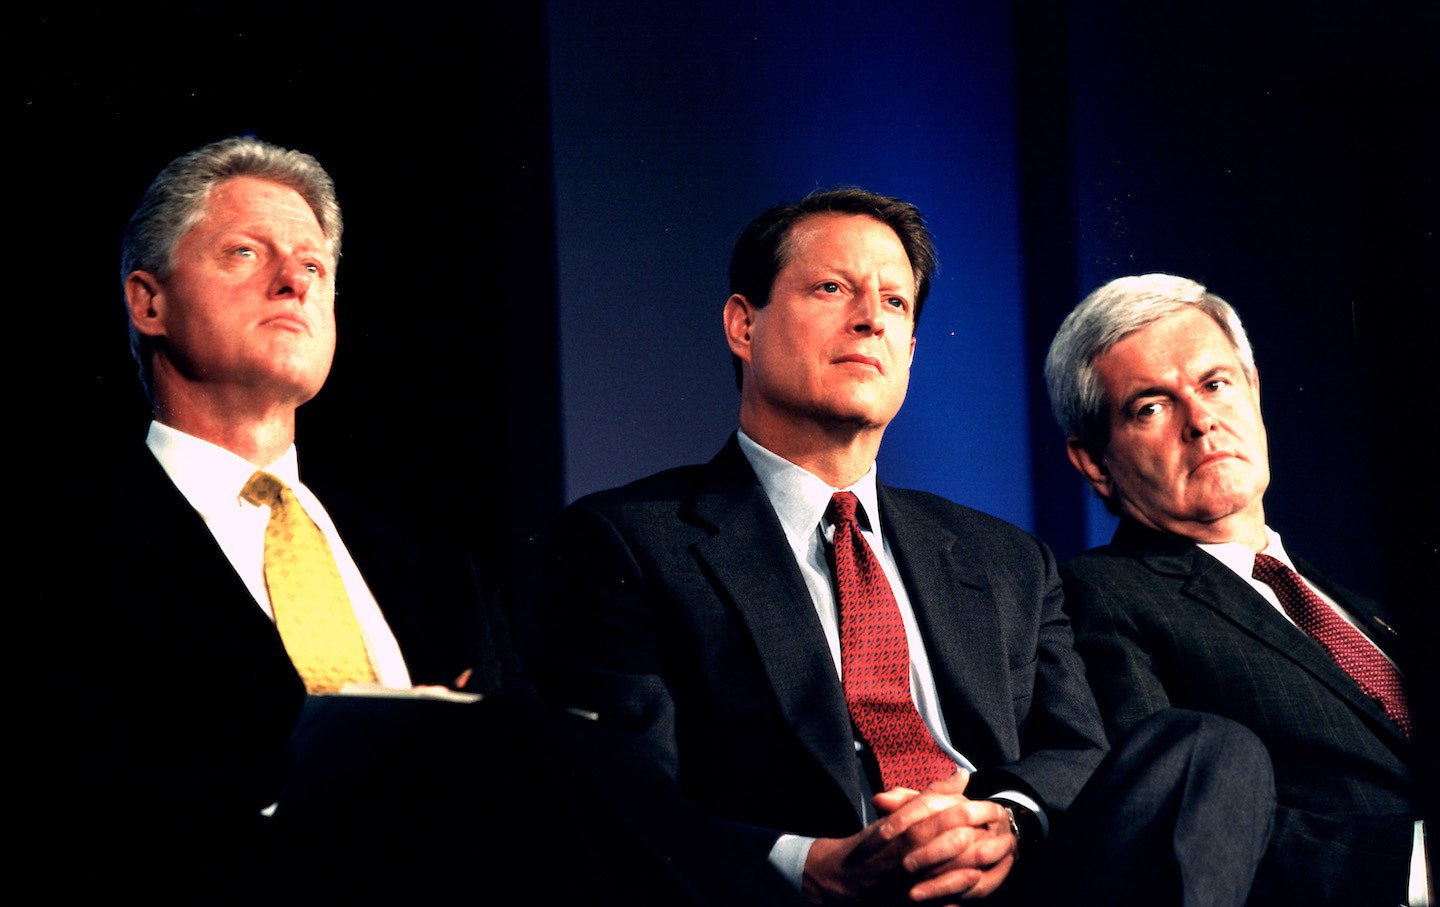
x=810 y=229
x=252 y=203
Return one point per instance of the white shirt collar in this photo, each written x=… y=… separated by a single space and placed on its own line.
x=1241 y=559
x=207 y=474
x=800 y=497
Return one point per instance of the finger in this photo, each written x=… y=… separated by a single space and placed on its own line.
x=965 y=883
x=990 y=850
x=948 y=850
x=986 y=812
x=956 y=883
x=955 y=784
x=892 y=799
x=874 y=848
x=958 y=845
x=927 y=803
x=919 y=829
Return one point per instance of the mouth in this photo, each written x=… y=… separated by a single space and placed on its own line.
x=858 y=359
x=1211 y=459
x=288 y=322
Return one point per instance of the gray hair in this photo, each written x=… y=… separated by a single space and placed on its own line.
x=175 y=202
x=1104 y=318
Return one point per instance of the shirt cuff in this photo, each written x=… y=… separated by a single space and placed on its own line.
x=788 y=857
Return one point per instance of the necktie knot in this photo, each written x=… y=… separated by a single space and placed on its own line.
x=263 y=488
x=844 y=507
x=1269 y=569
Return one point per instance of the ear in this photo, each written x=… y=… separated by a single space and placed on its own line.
x=145 y=298
x=912 y=349
x=1092 y=469
x=739 y=318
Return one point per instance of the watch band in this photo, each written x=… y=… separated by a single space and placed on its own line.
x=1024 y=824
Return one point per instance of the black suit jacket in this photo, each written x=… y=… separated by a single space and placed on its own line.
x=1160 y=623
x=676 y=612
x=175 y=699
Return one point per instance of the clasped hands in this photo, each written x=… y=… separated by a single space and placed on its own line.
x=937 y=841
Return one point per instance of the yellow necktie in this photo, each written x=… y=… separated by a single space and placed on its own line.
x=312 y=611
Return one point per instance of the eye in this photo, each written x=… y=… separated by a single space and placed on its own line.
x=897 y=303
x=830 y=286
x=313 y=268
x=243 y=252
x=1217 y=384
x=1148 y=410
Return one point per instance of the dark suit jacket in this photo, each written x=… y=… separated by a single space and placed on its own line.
x=176 y=698
x=675 y=610
x=1160 y=623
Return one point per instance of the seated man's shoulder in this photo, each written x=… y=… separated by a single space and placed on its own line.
x=1093 y=565
x=975 y=529
x=657 y=506
x=664 y=489
x=1149 y=560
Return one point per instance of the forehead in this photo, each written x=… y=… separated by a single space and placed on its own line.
x=834 y=239
x=1184 y=344
x=247 y=201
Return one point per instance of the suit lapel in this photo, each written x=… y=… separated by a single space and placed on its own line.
x=1216 y=586
x=949 y=592
x=1371 y=617
x=751 y=564
x=207 y=592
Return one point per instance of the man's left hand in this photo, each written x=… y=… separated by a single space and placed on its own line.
x=958 y=847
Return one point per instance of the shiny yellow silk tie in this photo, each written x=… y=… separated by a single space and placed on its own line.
x=312 y=611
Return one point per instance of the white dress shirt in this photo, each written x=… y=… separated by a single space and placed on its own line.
x=800 y=499
x=211 y=477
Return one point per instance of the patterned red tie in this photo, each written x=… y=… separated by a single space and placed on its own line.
x=875 y=661
x=1355 y=654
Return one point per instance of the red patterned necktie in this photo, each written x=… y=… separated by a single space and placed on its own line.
x=1355 y=654
x=875 y=661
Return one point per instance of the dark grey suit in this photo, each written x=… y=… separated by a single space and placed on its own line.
x=1160 y=623
x=676 y=611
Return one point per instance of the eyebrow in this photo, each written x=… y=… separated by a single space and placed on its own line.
x=1215 y=370
x=1158 y=391
x=1152 y=391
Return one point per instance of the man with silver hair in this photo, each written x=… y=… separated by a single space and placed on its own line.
x=218 y=591
x=1197 y=604
x=176 y=202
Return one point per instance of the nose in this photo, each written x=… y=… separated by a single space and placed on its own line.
x=868 y=308
x=292 y=278
x=1200 y=419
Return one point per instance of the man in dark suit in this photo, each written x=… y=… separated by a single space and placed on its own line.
x=876 y=685
x=1196 y=603
x=185 y=636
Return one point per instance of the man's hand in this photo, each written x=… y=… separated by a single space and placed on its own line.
x=842 y=870
x=945 y=843
x=954 y=846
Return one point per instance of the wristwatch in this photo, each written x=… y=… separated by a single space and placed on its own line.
x=1024 y=825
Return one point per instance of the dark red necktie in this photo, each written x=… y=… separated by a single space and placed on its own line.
x=875 y=661
x=1355 y=654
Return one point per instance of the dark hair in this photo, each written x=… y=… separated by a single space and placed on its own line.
x=763 y=248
